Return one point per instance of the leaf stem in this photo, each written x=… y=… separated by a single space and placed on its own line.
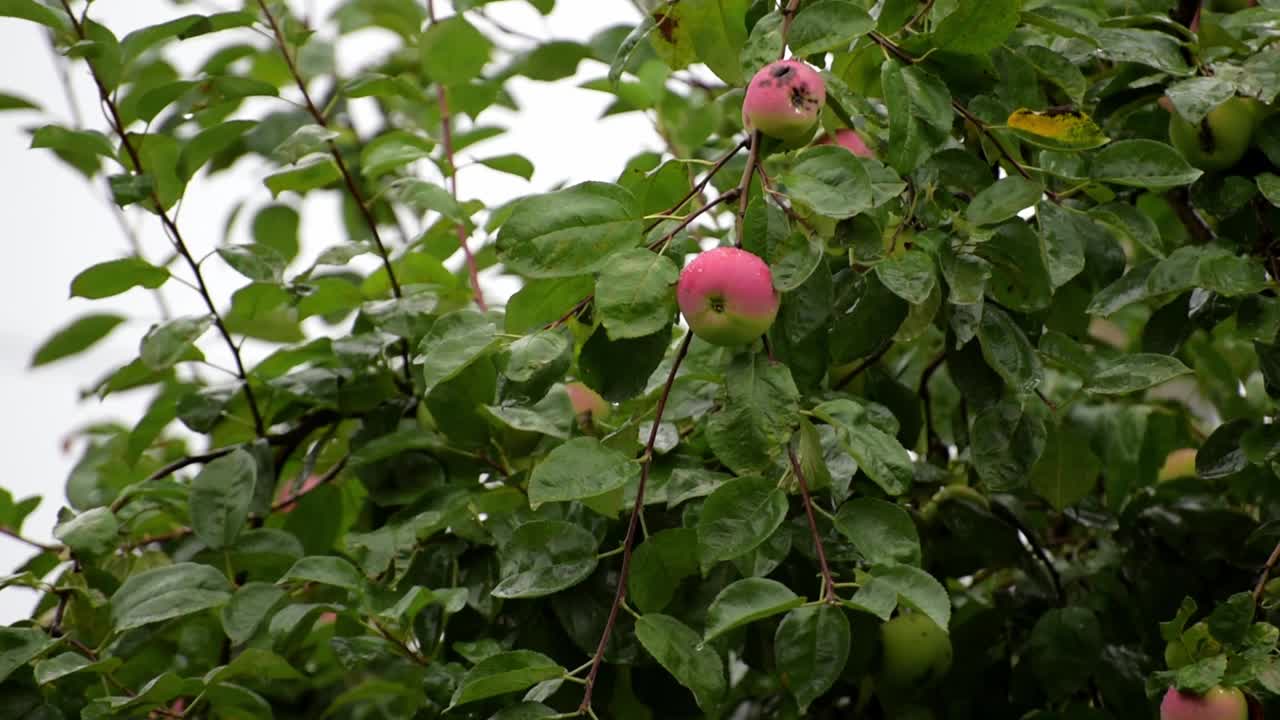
x=620 y=594
x=1260 y=587
x=170 y=226
x=828 y=582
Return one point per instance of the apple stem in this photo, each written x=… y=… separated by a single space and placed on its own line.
x=620 y=594
x=446 y=139
x=828 y=582
x=347 y=178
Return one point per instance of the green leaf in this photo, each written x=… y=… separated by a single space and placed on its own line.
x=35 y=12
x=1064 y=649
x=14 y=102
x=620 y=369
x=1195 y=97
x=920 y=114
x=91 y=532
x=976 y=27
x=116 y=276
x=909 y=275
x=453 y=51
x=221 y=496
x=679 y=649
x=1003 y=200
x=208 y=143
x=75 y=338
x=544 y=557
x=1008 y=440
x=20 y=645
x=168 y=592
x=878 y=453
x=1144 y=164
x=248 y=608
x=455 y=341
x=811 y=647
x=635 y=293
x=918 y=589
x=276 y=226
x=504 y=673
x=718 y=29
x=569 y=232
x=69 y=663
x=539 y=302
x=757 y=415
x=882 y=531
x=326 y=570
x=260 y=263
x=315 y=174
x=746 y=601
x=764 y=45
x=511 y=164
x=739 y=516
x=1130 y=373
x=829 y=179
x=1067 y=470
x=579 y=469
x=827 y=26
x=169 y=342
x=90 y=142
x=658 y=565
x=393 y=150
x=1008 y=351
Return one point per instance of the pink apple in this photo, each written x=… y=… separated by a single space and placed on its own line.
x=849 y=140
x=586 y=402
x=727 y=297
x=1218 y=704
x=287 y=492
x=783 y=100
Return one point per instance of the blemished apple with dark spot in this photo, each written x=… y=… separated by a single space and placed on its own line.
x=727 y=296
x=783 y=100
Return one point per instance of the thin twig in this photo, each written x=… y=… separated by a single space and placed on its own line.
x=1265 y=575
x=171 y=227
x=828 y=582
x=446 y=137
x=702 y=184
x=688 y=219
x=744 y=190
x=348 y=179
x=1037 y=550
x=325 y=479
x=862 y=366
x=629 y=541
x=788 y=15
x=42 y=547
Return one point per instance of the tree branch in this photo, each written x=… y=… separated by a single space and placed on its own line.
x=446 y=136
x=629 y=541
x=744 y=189
x=862 y=366
x=828 y=582
x=171 y=228
x=1261 y=586
x=42 y=547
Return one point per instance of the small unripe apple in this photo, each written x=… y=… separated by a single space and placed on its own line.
x=916 y=653
x=1178 y=464
x=727 y=296
x=783 y=100
x=1218 y=704
x=587 y=403
x=849 y=140
x=1219 y=140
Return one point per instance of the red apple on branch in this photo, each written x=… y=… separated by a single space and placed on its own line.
x=727 y=296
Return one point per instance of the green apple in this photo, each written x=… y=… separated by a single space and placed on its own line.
x=1221 y=138
x=915 y=653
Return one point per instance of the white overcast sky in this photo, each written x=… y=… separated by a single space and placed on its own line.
x=56 y=224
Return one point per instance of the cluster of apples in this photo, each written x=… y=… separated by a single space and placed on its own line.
x=726 y=294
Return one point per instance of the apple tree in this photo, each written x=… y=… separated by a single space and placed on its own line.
x=930 y=371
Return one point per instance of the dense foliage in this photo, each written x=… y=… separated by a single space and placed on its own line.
x=1007 y=450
